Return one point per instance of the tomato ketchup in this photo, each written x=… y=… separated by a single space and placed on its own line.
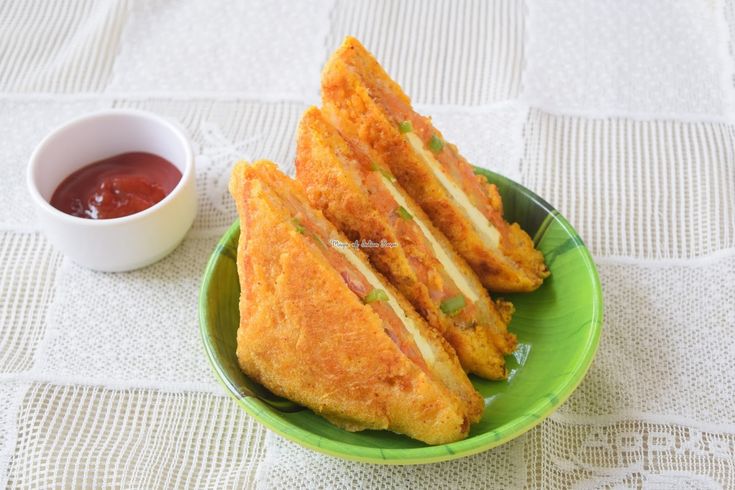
x=118 y=186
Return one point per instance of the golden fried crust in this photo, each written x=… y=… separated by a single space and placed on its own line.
x=322 y=165
x=447 y=368
x=305 y=336
x=348 y=102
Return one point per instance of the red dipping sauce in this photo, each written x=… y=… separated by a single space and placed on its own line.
x=118 y=186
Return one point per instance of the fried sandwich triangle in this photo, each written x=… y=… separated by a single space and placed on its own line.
x=319 y=326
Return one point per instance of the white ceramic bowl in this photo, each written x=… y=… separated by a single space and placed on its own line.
x=117 y=244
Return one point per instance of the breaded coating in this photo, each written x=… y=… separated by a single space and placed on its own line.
x=369 y=108
x=334 y=175
x=306 y=336
x=445 y=366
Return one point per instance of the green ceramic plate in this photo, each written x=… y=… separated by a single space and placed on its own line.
x=558 y=328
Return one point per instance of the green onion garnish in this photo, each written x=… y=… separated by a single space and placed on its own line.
x=403 y=213
x=375 y=295
x=299 y=227
x=405 y=127
x=452 y=306
x=318 y=240
x=377 y=168
x=435 y=144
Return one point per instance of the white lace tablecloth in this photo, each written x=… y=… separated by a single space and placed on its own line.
x=620 y=113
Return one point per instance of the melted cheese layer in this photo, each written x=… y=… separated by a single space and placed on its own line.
x=488 y=232
x=459 y=279
x=426 y=351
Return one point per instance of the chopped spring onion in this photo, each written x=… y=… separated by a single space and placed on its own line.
x=452 y=306
x=403 y=213
x=297 y=224
x=377 y=168
x=405 y=127
x=435 y=144
x=302 y=229
x=375 y=295
x=318 y=240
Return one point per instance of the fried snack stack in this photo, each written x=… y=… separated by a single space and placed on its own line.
x=318 y=324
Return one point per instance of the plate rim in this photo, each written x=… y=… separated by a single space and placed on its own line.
x=428 y=454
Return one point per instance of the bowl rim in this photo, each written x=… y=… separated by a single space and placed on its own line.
x=33 y=167
x=533 y=416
